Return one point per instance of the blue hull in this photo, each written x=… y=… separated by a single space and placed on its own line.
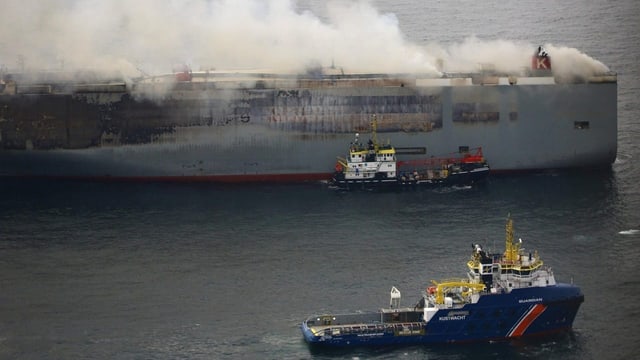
x=520 y=313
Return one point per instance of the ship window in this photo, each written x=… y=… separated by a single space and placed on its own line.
x=475 y=112
x=411 y=150
x=580 y=125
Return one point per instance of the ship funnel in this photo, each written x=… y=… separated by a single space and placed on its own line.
x=182 y=72
x=541 y=60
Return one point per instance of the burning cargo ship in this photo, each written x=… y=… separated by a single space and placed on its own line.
x=260 y=126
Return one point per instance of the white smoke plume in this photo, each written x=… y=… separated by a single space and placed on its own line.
x=150 y=36
x=569 y=63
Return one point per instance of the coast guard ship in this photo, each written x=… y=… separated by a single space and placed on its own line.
x=505 y=296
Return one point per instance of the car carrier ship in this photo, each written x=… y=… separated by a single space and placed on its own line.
x=262 y=126
x=505 y=296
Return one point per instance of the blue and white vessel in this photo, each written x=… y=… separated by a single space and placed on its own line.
x=505 y=296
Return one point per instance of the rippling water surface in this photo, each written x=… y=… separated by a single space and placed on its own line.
x=94 y=270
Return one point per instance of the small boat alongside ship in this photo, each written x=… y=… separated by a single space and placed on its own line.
x=375 y=166
x=505 y=296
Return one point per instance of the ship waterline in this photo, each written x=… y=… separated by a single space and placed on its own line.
x=266 y=127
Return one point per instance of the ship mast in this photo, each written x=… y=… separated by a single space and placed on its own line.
x=512 y=250
x=374 y=133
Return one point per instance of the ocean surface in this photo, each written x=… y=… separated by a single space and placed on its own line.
x=204 y=271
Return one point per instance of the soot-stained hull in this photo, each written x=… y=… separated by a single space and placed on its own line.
x=265 y=127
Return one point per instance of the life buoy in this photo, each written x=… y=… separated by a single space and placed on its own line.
x=338 y=167
x=431 y=290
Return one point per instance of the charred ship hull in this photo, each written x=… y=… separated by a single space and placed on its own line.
x=268 y=127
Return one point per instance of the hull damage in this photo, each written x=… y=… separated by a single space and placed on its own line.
x=233 y=127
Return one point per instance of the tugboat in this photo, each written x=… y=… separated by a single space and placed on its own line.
x=375 y=166
x=505 y=296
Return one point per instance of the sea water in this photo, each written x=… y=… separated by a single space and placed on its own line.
x=203 y=271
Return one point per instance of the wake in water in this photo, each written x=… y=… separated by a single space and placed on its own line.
x=629 y=232
x=450 y=189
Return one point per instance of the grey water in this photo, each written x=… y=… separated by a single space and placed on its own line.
x=203 y=271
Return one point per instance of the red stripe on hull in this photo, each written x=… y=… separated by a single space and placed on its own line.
x=533 y=314
x=228 y=179
x=596 y=168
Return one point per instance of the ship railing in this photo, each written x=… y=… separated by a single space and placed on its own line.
x=519 y=267
x=524 y=280
x=443 y=161
x=524 y=272
x=454 y=280
x=344 y=319
x=406 y=328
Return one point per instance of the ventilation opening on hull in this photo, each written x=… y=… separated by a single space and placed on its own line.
x=580 y=125
x=411 y=150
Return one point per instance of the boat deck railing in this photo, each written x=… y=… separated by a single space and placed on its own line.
x=405 y=328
